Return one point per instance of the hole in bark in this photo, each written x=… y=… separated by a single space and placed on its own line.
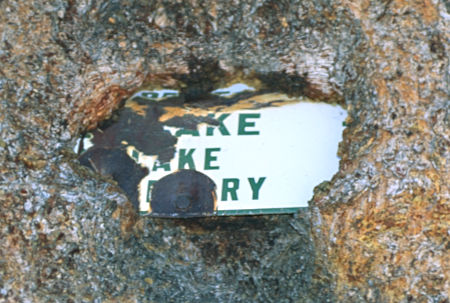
x=145 y=140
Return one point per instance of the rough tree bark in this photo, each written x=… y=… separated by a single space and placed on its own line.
x=378 y=232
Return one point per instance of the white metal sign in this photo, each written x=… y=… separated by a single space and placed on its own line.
x=264 y=153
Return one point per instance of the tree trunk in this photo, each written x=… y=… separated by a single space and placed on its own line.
x=377 y=232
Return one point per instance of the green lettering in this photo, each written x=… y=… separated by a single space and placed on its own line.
x=209 y=157
x=256 y=186
x=149 y=189
x=182 y=131
x=186 y=158
x=157 y=165
x=169 y=94
x=222 y=129
x=243 y=124
x=150 y=95
x=221 y=93
x=230 y=186
x=135 y=155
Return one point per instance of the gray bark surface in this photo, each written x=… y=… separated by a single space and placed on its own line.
x=377 y=232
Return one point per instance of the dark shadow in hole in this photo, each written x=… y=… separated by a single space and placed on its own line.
x=116 y=163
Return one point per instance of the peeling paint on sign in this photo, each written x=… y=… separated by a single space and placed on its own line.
x=242 y=152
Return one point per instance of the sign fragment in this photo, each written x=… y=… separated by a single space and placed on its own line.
x=242 y=152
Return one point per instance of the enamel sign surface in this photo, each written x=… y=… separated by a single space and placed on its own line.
x=247 y=153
